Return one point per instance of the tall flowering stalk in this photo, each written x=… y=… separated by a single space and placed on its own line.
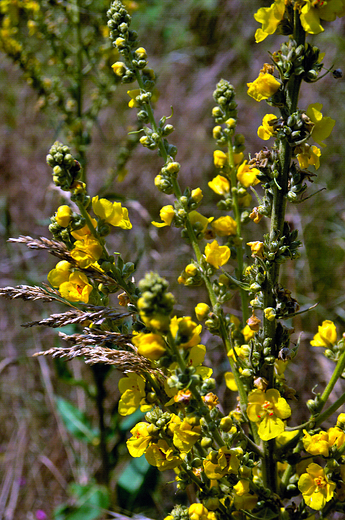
x=243 y=463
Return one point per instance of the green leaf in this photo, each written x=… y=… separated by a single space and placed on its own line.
x=76 y=422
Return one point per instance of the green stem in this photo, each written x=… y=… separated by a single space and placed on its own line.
x=339 y=369
x=331 y=410
x=239 y=238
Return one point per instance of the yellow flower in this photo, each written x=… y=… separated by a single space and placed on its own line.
x=230 y=381
x=217 y=255
x=220 y=159
x=243 y=499
x=79 y=234
x=63 y=216
x=268 y=408
x=112 y=212
x=224 y=463
x=185 y=331
x=196 y=218
x=201 y=311
x=257 y=248
x=269 y=17
x=315 y=487
x=323 y=126
x=336 y=437
x=184 y=434
x=60 y=273
x=196 y=195
x=87 y=251
x=263 y=87
x=119 y=68
x=133 y=94
x=247 y=176
x=132 y=388
x=224 y=226
x=220 y=185
x=167 y=214
x=77 y=288
x=270 y=313
x=152 y=346
x=326 y=336
x=265 y=131
x=308 y=156
x=312 y=11
x=198 y=512
x=162 y=456
x=248 y=333
x=140 y=439
x=316 y=444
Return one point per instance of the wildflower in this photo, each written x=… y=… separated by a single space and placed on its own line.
x=247 y=176
x=257 y=248
x=312 y=11
x=211 y=400
x=132 y=388
x=323 y=126
x=265 y=131
x=220 y=185
x=196 y=195
x=248 y=333
x=60 y=273
x=184 y=434
x=230 y=381
x=268 y=408
x=263 y=87
x=315 y=487
x=87 y=251
x=63 y=216
x=326 y=336
x=77 y=288
x=336 y=437
x=220 y=159
x=224 y=226
x=162 y=456
x=316 y=444
x=167 y=214
x=185 y=331
x=198 y=512
x=223 y=463
x=243 y=499
x=79 y=234
x=112 y=212
x=270 y=313
x=269 y=17
x=217 y=255
x=308 y=156
x=201 y=311
x=133 y=94
x=140 y=439
x=196 y=218
x=119 y=68
x=151 y=346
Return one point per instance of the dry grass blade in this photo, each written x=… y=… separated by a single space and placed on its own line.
x=100 y=339
x=75 y=316
x=28 y=292
x=59 y=250
x=123 y=360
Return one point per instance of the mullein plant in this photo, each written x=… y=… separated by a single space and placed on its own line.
x=250 y=462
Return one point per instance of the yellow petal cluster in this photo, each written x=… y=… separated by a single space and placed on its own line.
x=247 y=176
x=326 y=336
x=217 y=255
x=111 y=212
x=167 y=214
x=269 y=17
x=265 y=131
x=220 y=185
x=268 y=409
x=263 y=87
x=151 y=346
x=224 y=226
x=315 y=487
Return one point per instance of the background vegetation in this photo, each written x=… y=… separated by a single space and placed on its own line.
x=191 y=45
